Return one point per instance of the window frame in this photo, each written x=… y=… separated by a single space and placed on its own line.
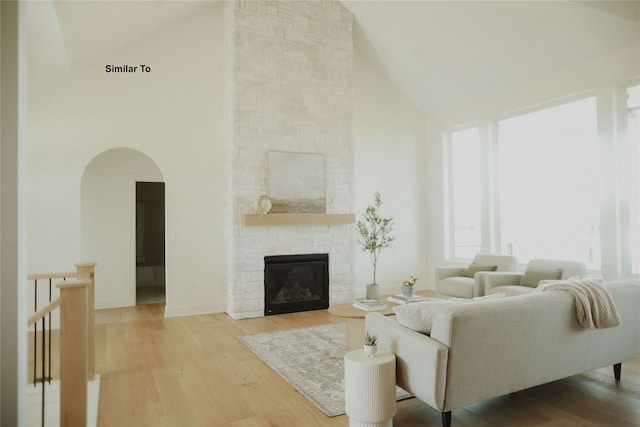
x=449 y=211
x=608 y=139
x=623 y=216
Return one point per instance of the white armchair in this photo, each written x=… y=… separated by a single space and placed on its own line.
x=537 y=270
x=468 y=282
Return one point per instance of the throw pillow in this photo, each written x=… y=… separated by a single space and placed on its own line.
x=531 y=278
x=570 y=279
x=419 y=316
x=474 y=268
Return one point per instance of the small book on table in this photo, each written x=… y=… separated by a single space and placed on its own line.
x=370 y=304
x=401 y=299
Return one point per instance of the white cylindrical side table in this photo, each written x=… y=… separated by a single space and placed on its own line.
x=370 y=388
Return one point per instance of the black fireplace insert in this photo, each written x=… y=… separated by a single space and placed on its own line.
x=296 y=283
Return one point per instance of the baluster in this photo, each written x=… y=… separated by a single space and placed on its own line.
x=43 y=355
x=35 y=336
x=49 y=371
x=36 y=379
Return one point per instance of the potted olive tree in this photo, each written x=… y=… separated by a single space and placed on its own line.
x=374 y=235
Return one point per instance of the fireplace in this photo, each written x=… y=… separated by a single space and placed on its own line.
x=296 y=283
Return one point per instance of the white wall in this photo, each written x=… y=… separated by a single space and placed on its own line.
x=13 y=313
x=389 y=157
x=173 y=115
x=600 y=77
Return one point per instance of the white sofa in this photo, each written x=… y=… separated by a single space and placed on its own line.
x=452 y=282
x=482 y=349
x=514 y=283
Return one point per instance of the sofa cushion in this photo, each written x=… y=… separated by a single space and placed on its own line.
x=419 y=316
x=569 y=268
x=482 y=298
x=531 y=278
x=570 y=279
x=511 y=290
x=474 y=268
x=461 y=287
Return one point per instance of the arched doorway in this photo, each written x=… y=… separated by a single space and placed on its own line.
x=109 y=221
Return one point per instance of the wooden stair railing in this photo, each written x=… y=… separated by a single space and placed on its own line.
x=87 y=271
x=73 y=353
x=77 y=348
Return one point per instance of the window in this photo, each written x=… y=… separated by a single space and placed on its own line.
x=466 y=194
x=561 y=182
x=630 y=167
x=548 y=184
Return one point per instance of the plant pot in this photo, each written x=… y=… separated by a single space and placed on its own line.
x=373 y=291
x=408 y=290
x=370 y=350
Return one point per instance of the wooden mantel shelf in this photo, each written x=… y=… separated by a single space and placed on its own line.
x=297 y=219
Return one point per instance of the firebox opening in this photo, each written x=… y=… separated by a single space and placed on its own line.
x=296 y=283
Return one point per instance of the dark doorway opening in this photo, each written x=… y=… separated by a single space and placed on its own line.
x=150 y=242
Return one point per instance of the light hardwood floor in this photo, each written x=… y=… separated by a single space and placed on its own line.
x=193 y=371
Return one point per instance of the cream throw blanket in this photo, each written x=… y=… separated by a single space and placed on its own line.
x=595 y=308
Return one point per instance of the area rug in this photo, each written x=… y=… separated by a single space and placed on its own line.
x=311 y=360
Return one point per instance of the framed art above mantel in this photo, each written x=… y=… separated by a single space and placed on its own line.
x=296 y=182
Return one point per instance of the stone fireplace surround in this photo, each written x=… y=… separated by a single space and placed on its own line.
x=290 y=85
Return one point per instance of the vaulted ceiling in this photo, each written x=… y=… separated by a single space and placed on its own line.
x=438 y=53
x=441 y=53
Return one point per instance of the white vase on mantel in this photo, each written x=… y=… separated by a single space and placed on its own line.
x=373 y=291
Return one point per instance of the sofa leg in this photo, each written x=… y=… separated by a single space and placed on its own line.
x=617 y=369
x=446 y=419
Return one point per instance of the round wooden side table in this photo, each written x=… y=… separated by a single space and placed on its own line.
x=355 y=321
x=370 y=388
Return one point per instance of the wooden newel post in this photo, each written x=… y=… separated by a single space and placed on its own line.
x=73 y=353
x=86 y=271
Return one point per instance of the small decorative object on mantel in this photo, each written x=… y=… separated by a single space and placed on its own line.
x=263 y=205
x=370 y=344
x=408 y=288
x=375 y=235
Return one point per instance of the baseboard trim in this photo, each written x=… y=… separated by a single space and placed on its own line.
x=191 y=310
x=113 y=303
